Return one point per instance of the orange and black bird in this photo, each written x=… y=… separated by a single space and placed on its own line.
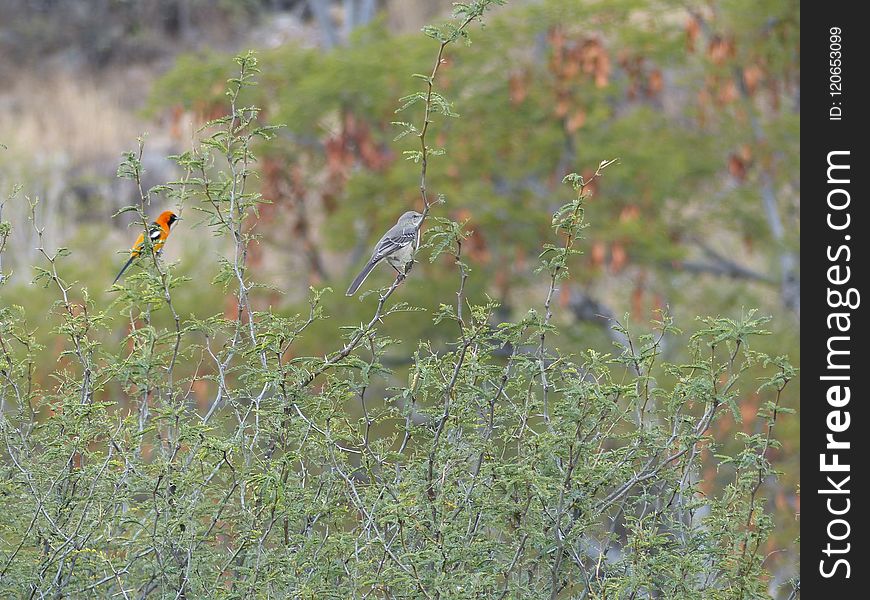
x=158 y=231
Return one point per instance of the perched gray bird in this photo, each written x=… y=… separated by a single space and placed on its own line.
x=397 y=246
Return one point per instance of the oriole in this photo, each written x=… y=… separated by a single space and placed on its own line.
x=158 y=231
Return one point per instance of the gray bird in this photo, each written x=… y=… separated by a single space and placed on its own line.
x=397 y=246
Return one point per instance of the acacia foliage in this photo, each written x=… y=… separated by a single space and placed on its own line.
x=501 y=467
x=700 y=100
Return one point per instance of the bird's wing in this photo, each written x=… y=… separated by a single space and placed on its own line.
x=158 y=234
x=396 y=238
x=155 y=233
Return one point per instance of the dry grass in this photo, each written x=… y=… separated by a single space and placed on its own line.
x=81 y=119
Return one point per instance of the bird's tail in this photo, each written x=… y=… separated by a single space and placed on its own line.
x=124 y=268
x=360 y=278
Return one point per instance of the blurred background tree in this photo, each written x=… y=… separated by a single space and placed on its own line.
x=699 y=100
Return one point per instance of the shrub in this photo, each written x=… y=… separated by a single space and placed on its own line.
x=502 y=467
